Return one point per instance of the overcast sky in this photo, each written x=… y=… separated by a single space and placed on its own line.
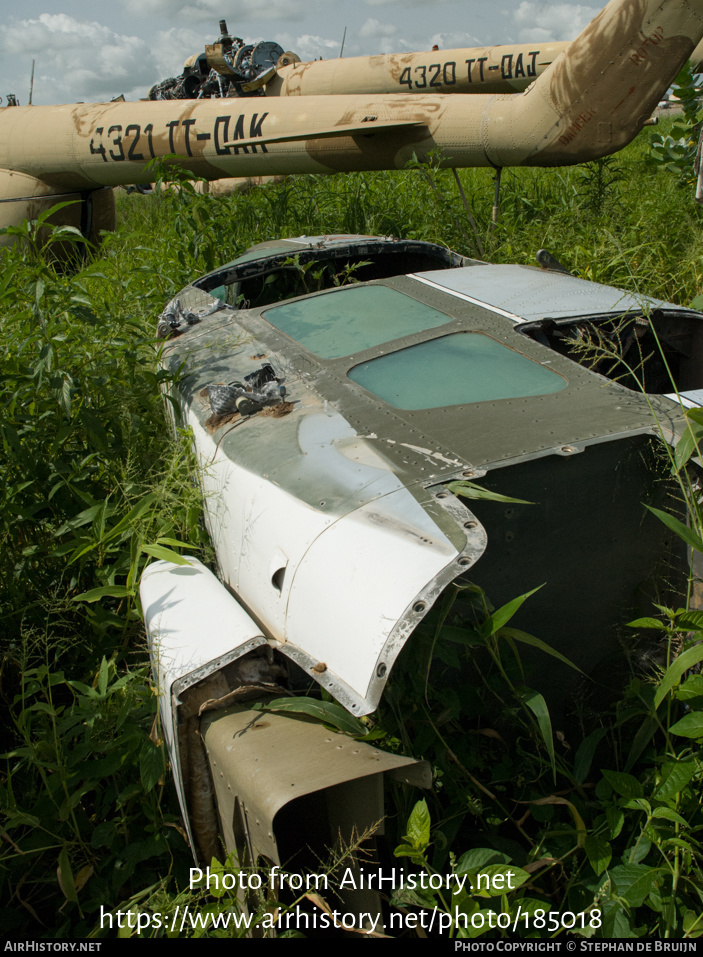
x=91 y=51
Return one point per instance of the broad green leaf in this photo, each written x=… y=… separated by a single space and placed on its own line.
x=105 y=591
x=465 y=904
x=65 y=877
x=623 y=784
x=83 y=518
x=165 y=554
x=496 y=879
x=526 y=639
x=673 y=673
x=327 y=711
x=675 y=777
x=615 y=921
x=598 y=852
x=475 y=927
x=103 y=675
x=690 y=726
x=503 y=615
x=460 y=636
x=15 y=819
x=683 y=531
x=689 y=620
x=692 y=922
x=634 y=882
x=418 y=829
x=413 y=897
x=84 y=689
x=142 y=506
x=647 y=623
x=638 y=852
x=44 y=707
x=151 y=766
x=478 y=857
x=644 y=735
x=127 y=927
x=672 y=842
x=405 y=850
x=669 y=815
x=471 y=490
x=104 y=834
x=638 y=804
x=538 y=706
x=616 y=819
x=528 y=905
x=584 y=754
x=687 y=445
x=691 y=688
x=72 y=800
x=172 y=541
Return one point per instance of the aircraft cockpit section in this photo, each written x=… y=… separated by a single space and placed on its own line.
x=377 y=419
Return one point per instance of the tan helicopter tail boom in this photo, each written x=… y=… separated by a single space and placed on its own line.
x=504 y=68
x=590 y=102
x=603 y=87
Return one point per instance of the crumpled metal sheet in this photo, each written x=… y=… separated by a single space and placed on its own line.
x=225 y=399
x=175 y=317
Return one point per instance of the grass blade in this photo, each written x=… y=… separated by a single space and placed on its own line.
x=538 y=706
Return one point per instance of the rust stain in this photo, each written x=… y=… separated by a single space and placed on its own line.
x=398 y=62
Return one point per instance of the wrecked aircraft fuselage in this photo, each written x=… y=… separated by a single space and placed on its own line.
x=335 y=388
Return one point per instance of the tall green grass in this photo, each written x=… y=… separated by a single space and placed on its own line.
x=92 y=480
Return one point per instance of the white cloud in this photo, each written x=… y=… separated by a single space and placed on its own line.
x=312 y=47
x=173 y=47
x=79 y=59
x=455 y=39
x=372 y=28
x=210 y=11
x=58 y=31
x=540 y=22
x=403 y=3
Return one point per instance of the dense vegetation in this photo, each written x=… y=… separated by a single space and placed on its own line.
x=93 y=486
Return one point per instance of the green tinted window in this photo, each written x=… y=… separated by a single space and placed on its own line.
x=453 y=370
x=352 y=319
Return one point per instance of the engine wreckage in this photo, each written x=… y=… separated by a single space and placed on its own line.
x=228 y=67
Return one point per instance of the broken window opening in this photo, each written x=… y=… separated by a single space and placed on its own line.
x=658 y=354
x=254 y=283
x=298 y=278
